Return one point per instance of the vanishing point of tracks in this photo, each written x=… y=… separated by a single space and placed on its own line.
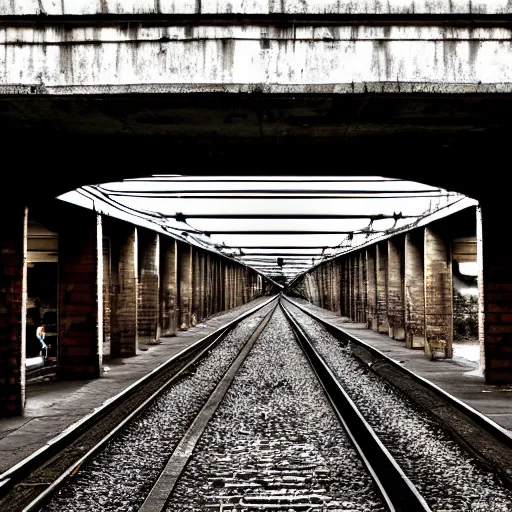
x=275 y=414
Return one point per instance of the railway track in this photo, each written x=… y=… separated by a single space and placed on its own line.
x=278 y=425
x=31 y=483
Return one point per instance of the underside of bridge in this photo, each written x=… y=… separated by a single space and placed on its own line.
x=97 y=92
x=443 y=140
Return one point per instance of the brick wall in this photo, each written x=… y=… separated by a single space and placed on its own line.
x=80 y=297
x=12 y=324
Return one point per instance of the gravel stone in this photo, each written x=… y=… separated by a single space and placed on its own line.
x=275 y=443
x=448 y=477
x=121 y=476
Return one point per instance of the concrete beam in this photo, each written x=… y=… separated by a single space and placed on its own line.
x=80 y=285
x=414 y=290
x=438 y=288
x=13 y=309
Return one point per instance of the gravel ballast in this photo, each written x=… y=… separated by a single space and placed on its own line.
x=449 y=478
x=275 y=443
x=121 y=476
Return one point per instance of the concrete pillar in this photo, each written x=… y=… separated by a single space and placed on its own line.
x=123 y=340
x=495 y=282
x=483 y=318
x=13 y=310
x=414 y=290
x=80 y=284
x=185 y=284
x=396 y=316
x=168 y=286
x=107 y=287
x=216 y=285
x=209 y=285
x=346 y=286
x=371 y=289
x=352 y=278
x=197 y=286
x=202 y=286
x=438 y=288
x=148 y=286
x=381 y=264
x=362 y=287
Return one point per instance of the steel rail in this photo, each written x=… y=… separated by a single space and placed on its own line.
x=480 y=419
x=397 y=490
x=161 y=491
x=12 y=480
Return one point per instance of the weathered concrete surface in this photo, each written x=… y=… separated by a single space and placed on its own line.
x=123 y=327
x=371 y=321
x=253 y=58
x=81 y=7
x=396 y=315
x=381 y=268
x=414 y=289
x=438 y=289
x=148 y=295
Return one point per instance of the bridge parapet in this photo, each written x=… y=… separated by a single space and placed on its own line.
x=246 y=56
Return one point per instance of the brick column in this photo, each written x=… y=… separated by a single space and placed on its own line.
x=123 y=340
x=149 y=286
x=414 y=290
x=168 y=286
x=381 y=264
x=496 y=281
x=438 y=288
x=371 y=289
x=396 y=288
x=13 y=308
x=80 y=283
x=185 y=284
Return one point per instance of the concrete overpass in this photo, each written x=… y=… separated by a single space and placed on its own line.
x=96 y=91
